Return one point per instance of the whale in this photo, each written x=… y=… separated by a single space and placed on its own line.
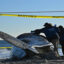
x=27 y=45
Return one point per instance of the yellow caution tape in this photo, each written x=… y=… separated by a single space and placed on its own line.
x=31 y=16
x=5 y=47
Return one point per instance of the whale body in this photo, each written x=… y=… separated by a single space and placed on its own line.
x=39 y=44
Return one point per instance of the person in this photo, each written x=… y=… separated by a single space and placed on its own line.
x=61 y=34
x=51 y=35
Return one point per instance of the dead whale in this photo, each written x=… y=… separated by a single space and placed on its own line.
x=27 y=44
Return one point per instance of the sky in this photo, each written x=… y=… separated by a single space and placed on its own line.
x=18 y=25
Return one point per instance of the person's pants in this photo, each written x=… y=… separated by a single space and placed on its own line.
x=55 y=42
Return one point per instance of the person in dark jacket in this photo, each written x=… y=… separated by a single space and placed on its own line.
x=51 y=35
x=61 y=34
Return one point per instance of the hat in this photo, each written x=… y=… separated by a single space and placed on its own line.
x=60 y=26
x=45 y=24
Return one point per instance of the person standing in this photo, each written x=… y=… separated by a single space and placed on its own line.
x=51 y=33
x=61 y=34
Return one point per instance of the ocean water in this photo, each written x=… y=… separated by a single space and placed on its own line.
x=6 y=53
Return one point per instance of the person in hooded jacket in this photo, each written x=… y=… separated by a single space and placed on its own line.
x=61 y=34
x=51 y=33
